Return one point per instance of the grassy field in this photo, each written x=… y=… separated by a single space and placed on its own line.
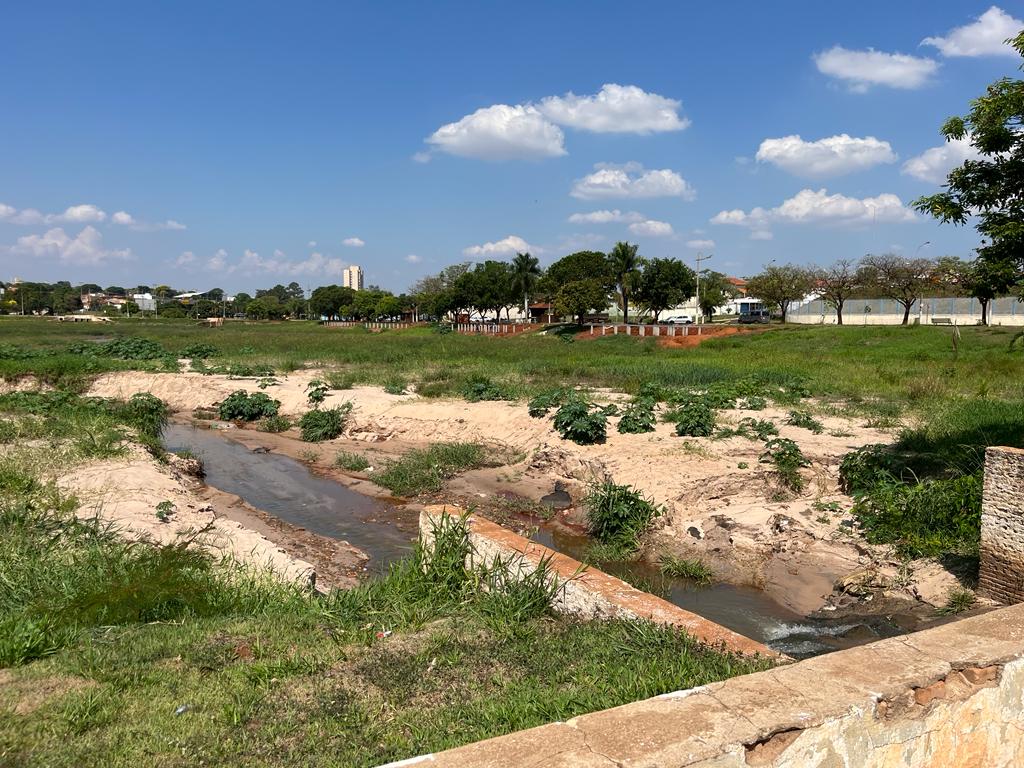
x=125 y=653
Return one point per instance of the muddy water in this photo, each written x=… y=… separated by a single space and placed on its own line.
x=285 y=488
x=746 y=610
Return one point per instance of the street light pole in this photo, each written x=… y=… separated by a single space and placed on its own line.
x=700 y=257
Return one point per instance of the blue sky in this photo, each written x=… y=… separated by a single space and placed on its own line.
x=244 y=144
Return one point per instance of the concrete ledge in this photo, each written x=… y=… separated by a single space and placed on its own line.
x=588 y=592
x=949 y=696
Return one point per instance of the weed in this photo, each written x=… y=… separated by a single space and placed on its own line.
x=483 y=388
x=752 y=429
x=542 y=403
x=787 y=458
x=638 y=417
x=742 y=465
x=806 y=421
x=340 y=380
x=618 y=515
x=199 y=351
x=420 y=471
x=753 y=403
x=274 y=424
x=352 y=462
x=959 y=600
x=164 y=510
x=242 y=406
x=694 y=419
x=860 y=470
x=580 y=422
x=685 y=568
x=316 y=392
x=395 y=385
x=319 y=425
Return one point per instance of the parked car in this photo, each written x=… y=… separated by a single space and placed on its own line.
x=756 y=316
x=677 y=319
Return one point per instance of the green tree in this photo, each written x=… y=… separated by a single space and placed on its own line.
x=898 y=278
x=582 y=265
x=327 y=300
x=388 y=306
x=715 y=291
x=780 y=286
x=525 y=274
x=836 y=284
x=992 y=186
x=983 y=279
x=624 y=267
x=664 y=283
x=578 y=297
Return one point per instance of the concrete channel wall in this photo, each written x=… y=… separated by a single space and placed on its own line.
x=1001 y=575
x=585 y=592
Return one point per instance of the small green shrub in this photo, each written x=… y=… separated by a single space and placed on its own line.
x=340 y=380
x=685 y=568
x=274 y=424
x=752 y=429
x=787 y=458
x=694 y=419
x=319 y=425
x=637 y=418
x=578 y=421
x=618 y=515
x=353 y=462
x=542 y=403
x=242 y=406
x=753 y=403
x=805 y=421
x=423 y=470
x=395 y=385
x=199 y=351
x=960 y=599
x=862 y=469
x=164 y=510
x=316 y=392
x=482 y=388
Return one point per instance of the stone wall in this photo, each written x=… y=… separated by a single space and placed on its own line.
x=949 y=697
x=1001 y=576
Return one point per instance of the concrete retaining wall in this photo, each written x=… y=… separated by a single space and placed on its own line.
x=586 y=592
x=952 y=696
x=1002 y=526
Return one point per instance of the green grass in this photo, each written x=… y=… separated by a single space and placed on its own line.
x=352 y=462
x=617 y=516
x=685 y=568
x=960 y=599
x=424 y=470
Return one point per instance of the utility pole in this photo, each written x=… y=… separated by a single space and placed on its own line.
x=700 y=257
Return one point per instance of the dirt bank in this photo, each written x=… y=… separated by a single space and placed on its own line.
x=722 y=504
x=126 y=492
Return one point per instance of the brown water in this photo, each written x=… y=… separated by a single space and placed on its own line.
x=286 y=489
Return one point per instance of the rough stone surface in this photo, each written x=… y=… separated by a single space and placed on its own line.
x=587 y=592
x=949 y=697
x=1002 y=526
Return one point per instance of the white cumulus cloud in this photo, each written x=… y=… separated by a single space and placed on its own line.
x=831 y=156
x=985 y=36
x=506 y=246
x=86 y=213
x=218 y=262
x=186 y=259
x=501 y=132
x=353 y=242
x=934 y=164
x=606 y=217
x=123 y=217
x=631 y=181
x=412 y=258
x=82 y=214
x=819 y=207
x=652 y=228
x=698 y=245
x=862 y=69
x=615 y=109
x=86 y=248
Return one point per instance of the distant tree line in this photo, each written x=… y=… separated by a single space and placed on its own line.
x=903 y=279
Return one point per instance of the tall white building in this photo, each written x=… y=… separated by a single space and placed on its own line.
x=353 y=278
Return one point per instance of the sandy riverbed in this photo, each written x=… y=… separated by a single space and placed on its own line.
x=722 y=503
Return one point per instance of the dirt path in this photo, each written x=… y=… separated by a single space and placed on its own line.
x=722 y=504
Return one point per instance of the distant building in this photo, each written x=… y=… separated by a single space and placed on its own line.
x=353 y=278
x=144 y=301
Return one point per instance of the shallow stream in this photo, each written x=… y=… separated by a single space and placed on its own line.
x=287 y=489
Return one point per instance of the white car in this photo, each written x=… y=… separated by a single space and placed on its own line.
x=677 y=319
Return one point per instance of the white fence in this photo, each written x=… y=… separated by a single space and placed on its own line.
x=929 y=311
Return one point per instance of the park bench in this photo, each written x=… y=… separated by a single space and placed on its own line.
x=942 y=321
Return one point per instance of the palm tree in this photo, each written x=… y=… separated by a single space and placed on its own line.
x=525 y=272
x=625 y=268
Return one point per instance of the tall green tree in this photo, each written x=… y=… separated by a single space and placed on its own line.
x=663 y=284
x=715 y=291
x=577 y=297
x=525 y=274
x=624 y=266
x=779 y=286
x=991 y=187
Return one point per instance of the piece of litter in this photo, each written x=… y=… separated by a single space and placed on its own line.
x=182 y=710
x=385 y=633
